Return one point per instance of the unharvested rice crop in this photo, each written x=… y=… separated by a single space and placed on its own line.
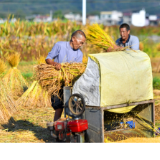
x=141 y=46
x=52 y=80
x=15 y=81
x=2 y=67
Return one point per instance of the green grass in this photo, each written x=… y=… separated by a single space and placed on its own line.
x=25 y=63
x=27 y=75
x=156 y=83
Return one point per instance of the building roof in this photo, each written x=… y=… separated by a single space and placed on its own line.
x=106 y=12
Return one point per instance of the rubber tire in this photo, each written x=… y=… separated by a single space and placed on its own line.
x=69 y=106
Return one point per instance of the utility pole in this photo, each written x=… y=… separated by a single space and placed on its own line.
x=84 y=12
x=51 y=14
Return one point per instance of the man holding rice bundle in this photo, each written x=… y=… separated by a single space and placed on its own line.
x=126 y=39
x=63 y=52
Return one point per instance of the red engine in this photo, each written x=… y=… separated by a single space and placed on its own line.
x=67 y=129
x=70 y=130
x=79 y=125
x=60 y=125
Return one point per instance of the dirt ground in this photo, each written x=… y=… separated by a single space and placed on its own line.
x=28 y=125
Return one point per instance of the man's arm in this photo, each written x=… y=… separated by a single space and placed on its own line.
x=116 y=47
x=51 y=55
x=110 y=49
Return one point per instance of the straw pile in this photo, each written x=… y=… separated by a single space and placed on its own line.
x=7 y=106
x=137 y=140
x=53 y=80
x=35 y=96
x=141 y=140
x=98 y=37
x=15 y=81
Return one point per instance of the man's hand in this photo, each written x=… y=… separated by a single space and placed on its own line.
x=118 y=48
x=115 y=48
x=57 y=65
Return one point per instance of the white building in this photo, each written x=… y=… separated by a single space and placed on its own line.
x=2 y=21
x=73 y=17
x=127 y=17
x=13 y=20
x=139 y=19
x=93 y=19
x=153 y=19
x=111 y=17
x=41 y=18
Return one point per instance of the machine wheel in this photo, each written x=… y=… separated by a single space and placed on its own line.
x=76 y=104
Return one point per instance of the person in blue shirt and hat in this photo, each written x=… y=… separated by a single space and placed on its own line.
x=126 y=40
x=65 y=51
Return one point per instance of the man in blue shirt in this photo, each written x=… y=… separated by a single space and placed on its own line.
x=126 y=39
x=65 y=52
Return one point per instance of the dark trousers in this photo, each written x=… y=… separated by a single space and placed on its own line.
x=56 y=102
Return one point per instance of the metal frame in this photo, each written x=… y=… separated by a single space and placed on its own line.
x=95 y=117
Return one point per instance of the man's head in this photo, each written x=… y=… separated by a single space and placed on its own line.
x=77 y=39
x=124 y=31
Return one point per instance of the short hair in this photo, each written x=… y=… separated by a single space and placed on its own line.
x=78 y=33
x=125 y=25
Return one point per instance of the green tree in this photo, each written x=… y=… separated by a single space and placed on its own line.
x=19 y=14
x=58 y=14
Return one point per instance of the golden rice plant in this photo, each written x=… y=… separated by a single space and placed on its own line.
x=2 y=67
x=98 y=37
x=141 y=46
x=13 y=59
x=158 y=47
x=41 y=60
x=52 y=80
x=35 y=95
x=14 y=79
x=7 y=105
x=85 y=59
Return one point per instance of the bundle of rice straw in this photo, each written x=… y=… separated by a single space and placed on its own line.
x=98 y=37
x=7 y=105
x=15 y=81
x=35 y=96
x=52 y=80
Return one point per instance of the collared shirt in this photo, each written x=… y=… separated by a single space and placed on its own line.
x=132 y=42
x=62 y=52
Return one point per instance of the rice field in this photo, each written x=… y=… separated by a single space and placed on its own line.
x=32 y=43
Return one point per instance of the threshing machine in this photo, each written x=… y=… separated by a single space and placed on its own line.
x=111 y=101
